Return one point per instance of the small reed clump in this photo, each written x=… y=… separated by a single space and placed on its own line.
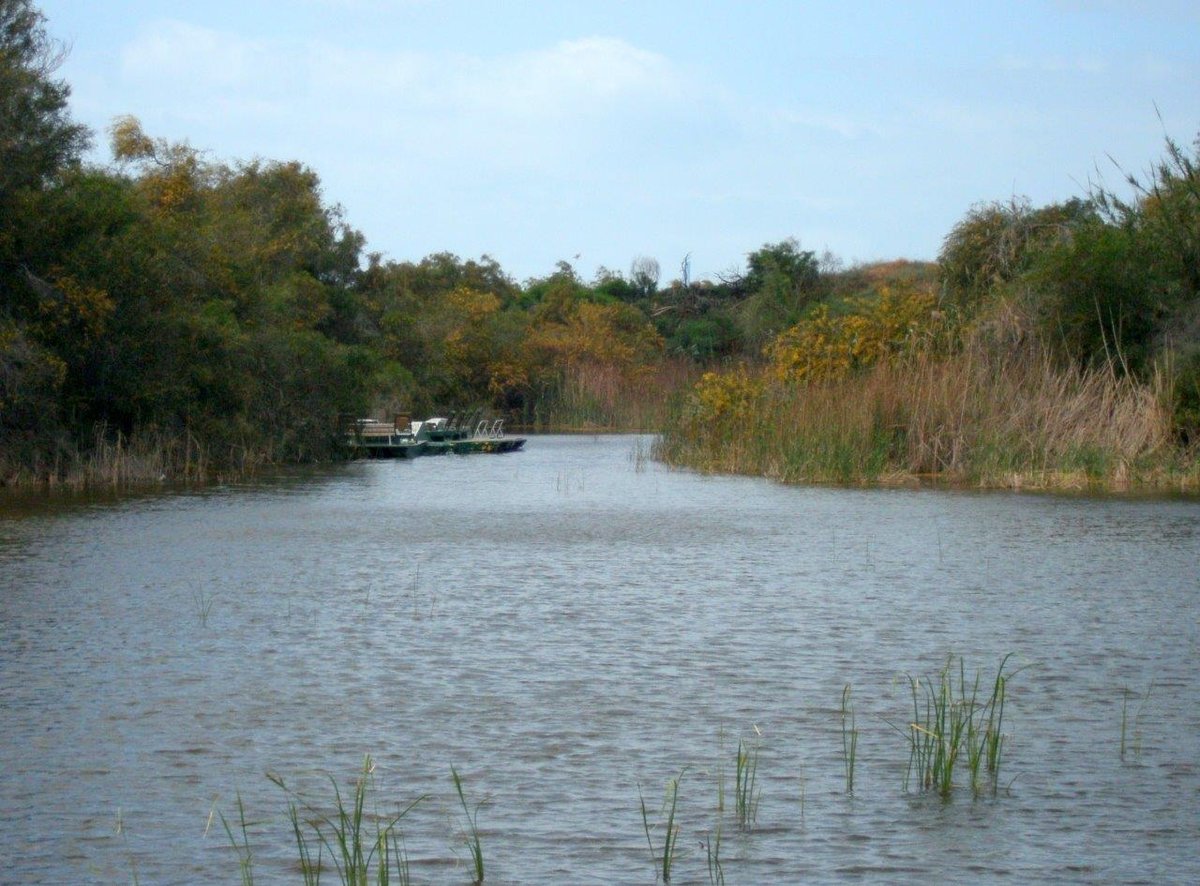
x=953 y=725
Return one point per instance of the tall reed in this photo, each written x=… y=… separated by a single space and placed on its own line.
x=974 y=416
x=356 y=849
x=474 y=844
x=1137 y=735
x=849 y=739
x=951 y=724
x=604 y=397
x=712 y=855
x=240 y=843
x=746 y=791
x=115 y=460
x=664 y=858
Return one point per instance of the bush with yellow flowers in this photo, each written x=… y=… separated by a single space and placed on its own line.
x=724 y=397
x=825 y=345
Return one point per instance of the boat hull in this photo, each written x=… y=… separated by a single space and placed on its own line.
x=391 y=450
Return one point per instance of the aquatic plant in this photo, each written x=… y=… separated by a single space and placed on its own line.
x=123 y=834
x=746 y=792
x=664 y=859
x=849 y=739
x=473 y=842
x=241 y=843
x=203 y=601
x=356 y=849
x=712 y=854
x=1137 y=735
x=954 y=724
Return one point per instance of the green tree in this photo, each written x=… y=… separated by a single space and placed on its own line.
x=781 y=283
x=996 y=242
x=38 y=145
x=38 y=141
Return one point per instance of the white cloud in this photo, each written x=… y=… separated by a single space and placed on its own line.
x=526 y=110
x=593 y=74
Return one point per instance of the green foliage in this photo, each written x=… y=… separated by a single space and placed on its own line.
x=38 y=145
x=37 y=138
x=1164 y=216
x=364 y=846
x=474 y=845
x=1094 y=299
x=664 y=858
x=782 y=282
x=1187 y=399
x=31 y=381
x=996 y=242
x=705 y=338
x=955 y=727
x=746 y=792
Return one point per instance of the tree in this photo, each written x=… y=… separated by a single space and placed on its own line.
x=37 y=138
x=782 y=282
x=1164 y=214
x=996 y=242
x=38 y=143
x=644 y=274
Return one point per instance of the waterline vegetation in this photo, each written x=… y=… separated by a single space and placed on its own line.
x=355 y=848
x=664 y=858
x=474 y=844
x=956 y=725
x=1137 y=735
x=712 y=856
x=950 y=725
x=849 y=739
x=240 y=842
x=974 y=417
x=746 y=790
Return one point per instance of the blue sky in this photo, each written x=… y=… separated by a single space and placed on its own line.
x=595 y=131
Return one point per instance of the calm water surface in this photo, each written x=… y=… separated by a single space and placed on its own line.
x=569 y=624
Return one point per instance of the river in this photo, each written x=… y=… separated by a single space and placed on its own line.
x=570 y=627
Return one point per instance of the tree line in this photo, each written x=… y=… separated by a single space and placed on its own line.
x=229 y=309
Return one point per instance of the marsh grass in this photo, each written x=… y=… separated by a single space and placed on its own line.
x=746 y=792
x=116 y=460
x=203 y=601
x=608 y=398
x=954 y=724
x=122 y=832
x=1137 y=733
x=474 y=844
x=664 y=858
x=240 y=842
x=712 y=855
x=972 y=417
x=363 y=846
x=849 y=739
x=721 y=770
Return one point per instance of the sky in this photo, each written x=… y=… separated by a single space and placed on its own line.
x=598 y=131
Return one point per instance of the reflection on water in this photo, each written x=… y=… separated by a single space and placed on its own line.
x=567 y=624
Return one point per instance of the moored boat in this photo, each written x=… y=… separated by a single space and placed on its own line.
x=371 y=438
x=462 y=434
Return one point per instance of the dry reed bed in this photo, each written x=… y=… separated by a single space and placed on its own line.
x=116 y=461
x=973 y=418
